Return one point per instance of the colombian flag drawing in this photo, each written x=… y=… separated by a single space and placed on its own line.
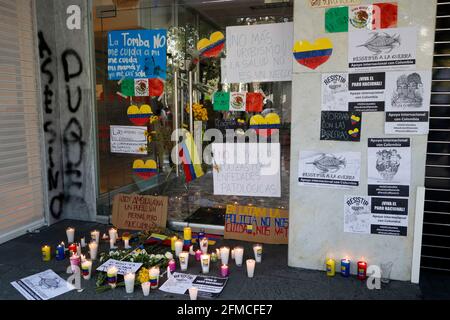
x=145 y=170
x=313 y=55
x=212 y=47
x=265 y=126
x=190 y=160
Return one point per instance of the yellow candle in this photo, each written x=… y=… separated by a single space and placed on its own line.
x=331 y=267
x=187 y=233
x=172 y=242
x=46 y=253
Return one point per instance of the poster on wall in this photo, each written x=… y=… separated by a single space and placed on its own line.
x=259 y=53
x=335 y=92
x=128 y=140
x=329 y=170
x=341 y=126
x=137 y=54
x=408 y=97
x=254 y=224
x=251 y=169
x=387 y=48
x=367 y=92
x=374 y=215
x=389 y=167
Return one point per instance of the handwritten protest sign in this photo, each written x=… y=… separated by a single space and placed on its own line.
x=135 y=212
x=123 y=267
x=253 y=224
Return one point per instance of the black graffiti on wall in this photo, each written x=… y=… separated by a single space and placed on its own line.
x=66 y=147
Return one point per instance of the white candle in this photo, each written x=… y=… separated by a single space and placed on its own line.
x=251 y=268
x=146 y=288
x=224 y=254
x=111 y=275
x=83 y=242
x=218 y=254
x=112 y=244
x=239 y=256
x=95 y=235
x=191 y=251
x=178 y=247
x=193 y=293
x=93 y=249
x=258 y=250
x=86 y=269
x=204 y=245
x=154 y=277
x=169 y=273
x=78 y=249
x=232 y=254
x=184 y=260
x=112 y=234
x=205 y=261
x=70 y=232
x=129 y=282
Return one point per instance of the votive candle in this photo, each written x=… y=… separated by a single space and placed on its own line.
x=95 y=236
x=258 y=250
x=198 y=255
x=93 y=250
x=178 y=247
x=184 y=260
x=362 y=270
x=111 y=276
x=204 y=245
x=86 y=269
x=46 y=253
x=224 y=271
x=239 y=256
x=224 y=254
x=251 y=268
x=130 y=279
x=154 y=277
x=331 y=267
x=345 y=268
x=205 y=261
x=70 y=232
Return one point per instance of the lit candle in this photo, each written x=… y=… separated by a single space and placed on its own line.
x=205 y=260
x=113 y=234
x=232 y=254
x=93 y=250
x=95 y=236
x=172 y=265
x=214 y=257
x=75 y=261
x=60 y=252
x=258 y=250
x=331 y=267
x=73 y=248
x=204 y=245
x=46 y=253
x=78 y=249
x=86 y=269
x=112 y=244
x=83 y=242
x=224 y=254
x=126 y=241
x=251 y=268
x=187 y=236
x=193 y=293
x=130 y=279
x=70 y=232
x=172 y=242
x=218 y=253
x=191 y=250
x=154 y=277
x=224 y=271
x=239 y=256
x=198 y=255
x=145 y=288
x=345 y=268
x=111 y=276
x=362 y=270
x=178 y=247
x=184 y=260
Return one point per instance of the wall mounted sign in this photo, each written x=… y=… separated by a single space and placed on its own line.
x=145 y=169
x=374 y=215
x=212 y=47
x=136 y=212
x=259 y=53
x=128 y=140
x=408 y=96
x=332 y=3
x=389 y=167
x=253 y=224
x=137 y=54
x=247 y=169
x=313 y=55
x=341 y=126
x=329 y=170
x=139 y=116
x=389 y=48
x=335 y=92
x=367 y=91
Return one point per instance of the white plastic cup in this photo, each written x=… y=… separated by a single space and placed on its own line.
x=193 y=293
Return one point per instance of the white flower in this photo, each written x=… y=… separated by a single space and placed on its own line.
x=159 y=256
x=169 y=255
x=132 y=259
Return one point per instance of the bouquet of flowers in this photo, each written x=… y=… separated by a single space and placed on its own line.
x=200 y=112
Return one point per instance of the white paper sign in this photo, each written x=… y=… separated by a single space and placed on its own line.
x=42 y=286
x=207 y=286
x=329 y=170
x=386 y=49
x=357 y=214
x=129 y=140
x=260 y=53
x=408 y=96
x=247 y=169
x=123 y=267
x=335 y=92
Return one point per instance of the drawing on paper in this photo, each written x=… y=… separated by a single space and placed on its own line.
x=49 y=283
x=382 y=42
x=329 y=163
x=388 y=163
x=409 y=91
x=361 y=17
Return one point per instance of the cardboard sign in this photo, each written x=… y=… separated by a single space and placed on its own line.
x=135 y=212
x=253 y=224
x=341 y=126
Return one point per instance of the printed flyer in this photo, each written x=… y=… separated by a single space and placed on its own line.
x=408 y=97
x=329 y=170
x=387 y=48
x=389 y=167
x=367 y=92
x=208 y=286
x=335 y=92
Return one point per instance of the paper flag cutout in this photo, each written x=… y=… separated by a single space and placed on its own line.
x=265 y=126
x=139 y=116
x=142 y=87
x=221 y=101
x=336 y=19
x=156 y=87
x=313 y=55
x=212 y=47
x=237 y=101
x=255 y=102
x=385 y=15
x=145 y=170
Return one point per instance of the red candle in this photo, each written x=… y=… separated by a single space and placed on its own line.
x=198 y=255
x=73 y=248
x=362 y=270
